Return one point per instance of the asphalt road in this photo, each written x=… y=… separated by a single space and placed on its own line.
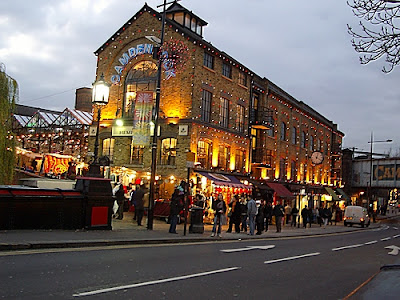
x=319 y=267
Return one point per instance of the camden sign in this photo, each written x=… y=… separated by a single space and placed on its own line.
x=386 y=172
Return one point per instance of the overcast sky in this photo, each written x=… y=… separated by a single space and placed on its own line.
x=302 y=46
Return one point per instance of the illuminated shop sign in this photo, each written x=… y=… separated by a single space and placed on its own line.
x=386 y=172
x=126 y=57
x=122 y=131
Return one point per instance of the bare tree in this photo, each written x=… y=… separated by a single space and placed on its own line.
x=381 y=36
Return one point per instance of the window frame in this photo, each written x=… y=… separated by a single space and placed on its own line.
x=208 y=60
x=224 y=112
x=168 y=154
x=240 y=117
x=206 y=102
x=227 y=70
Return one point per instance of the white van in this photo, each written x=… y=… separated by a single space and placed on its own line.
x=356 y=215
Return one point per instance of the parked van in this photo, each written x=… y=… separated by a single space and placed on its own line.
x=356 y=215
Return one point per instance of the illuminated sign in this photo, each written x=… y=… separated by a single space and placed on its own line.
x=122 y=131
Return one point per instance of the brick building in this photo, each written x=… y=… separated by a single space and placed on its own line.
x=240 y=126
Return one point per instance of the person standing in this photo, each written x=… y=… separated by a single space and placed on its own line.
x=278 y=212
x=251 y=213
x=325 y=215
x=268 y=214
x=120 y=196
x=138 y=199
x=304 y=216
x=243 y=211
x=219 y=208
x=260 y=217
x=288 y=212
x=294 y=215
x=176 y=206
x=235 y=216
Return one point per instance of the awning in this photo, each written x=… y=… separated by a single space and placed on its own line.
x=344 y=195
x=224 y=180
x=332 y=193
x=280 y=190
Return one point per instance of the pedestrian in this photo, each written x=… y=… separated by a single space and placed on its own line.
x=294 y=215
x=120 y=197
x=319 y=216
x=176 y=206
x=325 y=216
x=310 y=216
x=138 y=198
x=260 y=217
x=278 y=212
x=288 y=212
x=243 y=210
x=304 y=216
x=268 y=214
x=219 y=208
x=235 y=214
x=251 y=213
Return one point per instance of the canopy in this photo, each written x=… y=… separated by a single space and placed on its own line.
x=280 y=190
x=224 y=180
x=332 y=193
x=344 y=195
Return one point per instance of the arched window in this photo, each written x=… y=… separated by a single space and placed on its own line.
x=204 y=154
x=168 y=151
x=303 y=139
x=283 y=131
x=294 y=135
x=141 y=78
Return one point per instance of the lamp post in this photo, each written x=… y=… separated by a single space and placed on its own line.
x=101 y=92
x=371 y=142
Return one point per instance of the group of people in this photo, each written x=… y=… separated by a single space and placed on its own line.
x=246 y=212
x=321 y=216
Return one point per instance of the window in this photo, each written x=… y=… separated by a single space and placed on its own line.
x=319 y=143
x=224 y=155
x=206 y=106
x=240 y=118
x=294 y=135
x=311 y=143
x=168 y=151
x=303 y=139
x=137 y=155
x=204 y=154
x=240 y=156
x=223 y=112
x=227 y=70
x=283 y=131
x=208 y=60
x=270 y=131
x=293 y=172
x=242 y=78
x=108 y=148
x=282 y=169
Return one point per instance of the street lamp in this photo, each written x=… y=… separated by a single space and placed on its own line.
x=101 y=92
x=370 y=167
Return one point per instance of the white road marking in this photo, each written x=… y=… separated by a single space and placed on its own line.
x=396 y=236
x=395 y=228
x=386 y=239
x=347 y=247
x=248 y=248
x=395 y=249
x=291 y=258
x=130 y=286
x=370 y=243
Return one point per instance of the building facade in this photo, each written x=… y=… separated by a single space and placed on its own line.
x=237 y=125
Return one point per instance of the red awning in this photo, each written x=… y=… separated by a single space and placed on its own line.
x=280 y=190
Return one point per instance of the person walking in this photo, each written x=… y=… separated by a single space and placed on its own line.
x=278 y=212
x=288 y=212
x=251 y=213
x=260 y=217
x=176 y=206
x=294 y=215
x=325 y=215
x=235 y=214
x=219 y=208
x=138 y=199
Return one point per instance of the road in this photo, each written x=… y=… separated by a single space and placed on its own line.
x=328 y=267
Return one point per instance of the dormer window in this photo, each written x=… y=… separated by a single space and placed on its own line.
x=185 y=18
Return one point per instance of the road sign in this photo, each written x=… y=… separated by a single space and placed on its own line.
x=395 y=249
x=249 y=248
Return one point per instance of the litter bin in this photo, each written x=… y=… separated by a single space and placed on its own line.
x=196 y=220
x=98 y=201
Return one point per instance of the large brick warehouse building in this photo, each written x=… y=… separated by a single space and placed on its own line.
x=241 y=127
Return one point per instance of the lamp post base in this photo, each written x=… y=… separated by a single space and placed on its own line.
x=94 y=170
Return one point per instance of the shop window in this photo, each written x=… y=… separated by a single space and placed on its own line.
x=108 y=148
x=240 y=156
x=227 y=70
x=141 y=78
x=137 y=155
x=208 y=60
x=240 y=118
x=294 y=135
x=204 y=154
x=242 y=79
x=223 y=112
x=224 y=155
x=168 y=151
x=206 y=106
x=303 y=139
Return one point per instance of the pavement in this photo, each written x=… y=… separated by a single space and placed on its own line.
x=127 y=232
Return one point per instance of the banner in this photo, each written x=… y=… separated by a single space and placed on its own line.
x=141 y=118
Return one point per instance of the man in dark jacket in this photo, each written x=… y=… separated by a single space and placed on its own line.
x=176 y=206
x=278 y=212
x=120 y=195
x=304 y=216
x=138 y=199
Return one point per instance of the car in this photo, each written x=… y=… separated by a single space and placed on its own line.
x=356 y=215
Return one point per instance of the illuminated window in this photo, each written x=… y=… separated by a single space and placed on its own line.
x=168 y=151
x=240 y=156
x=223 y=112
x=208 y=60
x=204 y=154
x=137 y=155
x=240 y=118
x=108 y=148
x=224 y=155
x=206 y=106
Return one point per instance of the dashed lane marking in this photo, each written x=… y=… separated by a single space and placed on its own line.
x=135 y=285
x=370 y=243
x=347 y=247
x=291 y=258
x=386 y=239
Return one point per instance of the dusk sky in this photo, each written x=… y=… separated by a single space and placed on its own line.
x=301 y=46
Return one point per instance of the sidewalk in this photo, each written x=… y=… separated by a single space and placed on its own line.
x=126 y=232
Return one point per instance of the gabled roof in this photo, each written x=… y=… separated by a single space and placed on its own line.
x=73 y=117
x=176 y=7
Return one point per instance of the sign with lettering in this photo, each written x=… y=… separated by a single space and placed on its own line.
x=122 y=131
x=386 y=172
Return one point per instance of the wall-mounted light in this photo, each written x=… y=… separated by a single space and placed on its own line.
x=172 y=120
x=119 y=122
